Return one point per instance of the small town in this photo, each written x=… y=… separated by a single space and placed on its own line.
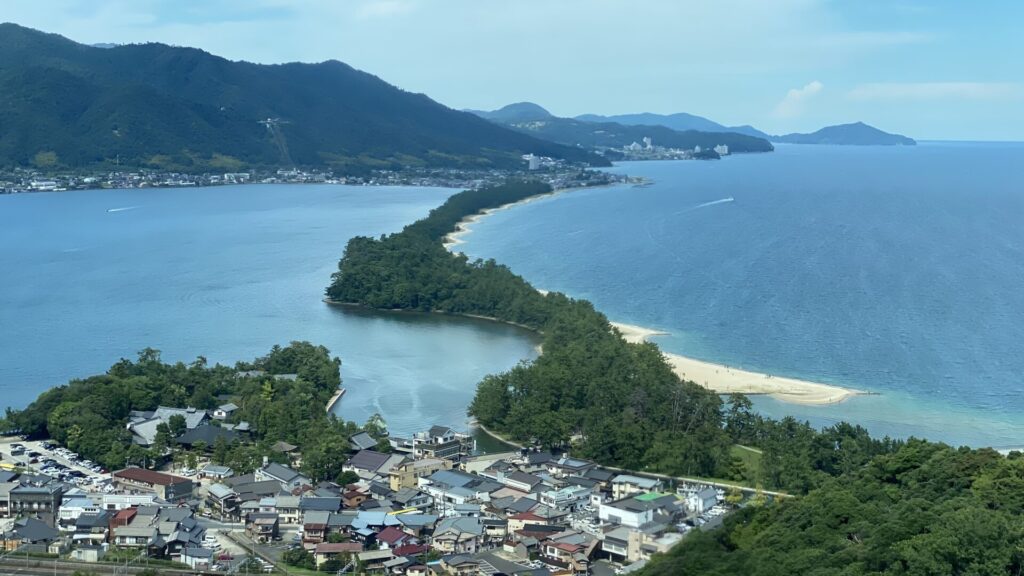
x=425 y=504
x=557 y=173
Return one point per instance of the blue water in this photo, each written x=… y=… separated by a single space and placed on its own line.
x=226 y=273
x=894 y=270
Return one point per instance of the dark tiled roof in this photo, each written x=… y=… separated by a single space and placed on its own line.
x=206 y=433
x=368 y=460
x=362 y=441
x=332 y=504
x=149 y=477
x=438 y=430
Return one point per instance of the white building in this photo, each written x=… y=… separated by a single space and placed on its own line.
x=702 y=500
x=568 y=498
x=722 y=150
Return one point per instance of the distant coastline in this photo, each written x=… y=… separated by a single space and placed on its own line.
x=720 y=378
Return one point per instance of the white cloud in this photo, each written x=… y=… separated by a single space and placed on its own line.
x=937 y=91
x=796 y=99
x=384 y=9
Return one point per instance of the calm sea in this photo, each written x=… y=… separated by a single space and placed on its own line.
x=93 y=276
x=894 y=270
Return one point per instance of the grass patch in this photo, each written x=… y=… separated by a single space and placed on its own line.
x=751 y=459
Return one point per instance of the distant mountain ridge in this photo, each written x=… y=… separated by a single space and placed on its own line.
x=678 y=121
x=533 y=119
x=854 y=134
x=66 y=104
x=518 y=112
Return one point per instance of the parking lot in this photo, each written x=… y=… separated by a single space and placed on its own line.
x=46 y=458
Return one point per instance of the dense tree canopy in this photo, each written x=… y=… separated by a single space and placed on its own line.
x=925 y=509
x=89 y=415
x=620 y=402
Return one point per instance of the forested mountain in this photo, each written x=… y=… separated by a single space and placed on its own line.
x=518 y=112
x=677 y=121
x=534 y=120
x=855 y=134
x=64 y=104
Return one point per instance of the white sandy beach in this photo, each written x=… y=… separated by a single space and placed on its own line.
x=726 y=380
x=464 y=226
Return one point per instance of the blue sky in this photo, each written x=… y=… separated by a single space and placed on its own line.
x=928 y=69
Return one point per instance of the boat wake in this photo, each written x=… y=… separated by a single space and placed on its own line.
x=122 y=209
x=713 y=202
x=705 y=205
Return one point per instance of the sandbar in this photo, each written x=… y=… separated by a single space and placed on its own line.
x=728 y=379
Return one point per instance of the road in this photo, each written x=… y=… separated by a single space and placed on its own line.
x=48 y=567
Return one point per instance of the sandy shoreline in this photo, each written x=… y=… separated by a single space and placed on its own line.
x=464 y=227
x=726 y=380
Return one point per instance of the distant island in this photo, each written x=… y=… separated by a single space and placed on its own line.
x=72 y=106
x=853 y=134
x=533 y=119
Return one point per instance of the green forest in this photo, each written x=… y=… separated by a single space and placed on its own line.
x=864 y=505
x=925 y=509
x=89 y=415
x=67 y=105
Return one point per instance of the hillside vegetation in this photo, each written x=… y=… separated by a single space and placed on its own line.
x=65 y=104
x=926 y=509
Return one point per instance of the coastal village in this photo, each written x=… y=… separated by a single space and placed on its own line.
x=558 y=173
x=425 y=504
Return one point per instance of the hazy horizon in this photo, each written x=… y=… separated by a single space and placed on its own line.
x=931 y=71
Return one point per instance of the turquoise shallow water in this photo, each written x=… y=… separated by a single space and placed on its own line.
x=226 y=273
x=894 y=270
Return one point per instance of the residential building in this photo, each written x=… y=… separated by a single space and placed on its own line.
x=442 y=442
x=225 y=411
x=407 y=473
x=36 y=501
x=625 y=485
x=327 y=551
x=702 y=499
x=458 y=535
x=165 y=486
x=262 y=527
x=197 y=558
x=641 y=510
x=288 y=478
x=570 y=498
